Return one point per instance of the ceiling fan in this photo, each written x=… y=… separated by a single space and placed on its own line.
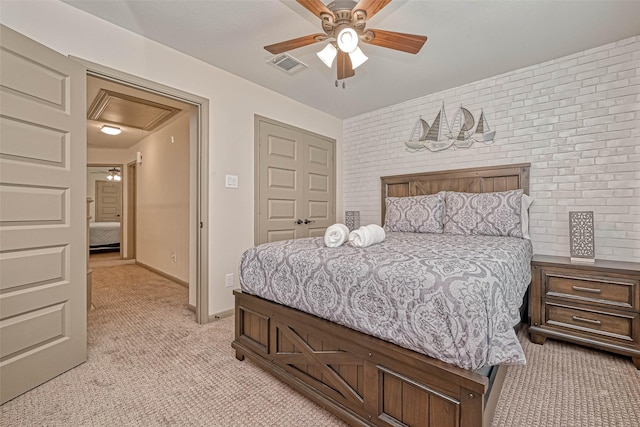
x=343 y=23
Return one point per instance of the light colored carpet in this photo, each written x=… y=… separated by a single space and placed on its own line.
x=107 y=259
x=103 y=256
x=568 y=385
x=150 y=364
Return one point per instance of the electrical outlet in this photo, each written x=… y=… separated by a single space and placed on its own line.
x=228 y=280
x=174 y=258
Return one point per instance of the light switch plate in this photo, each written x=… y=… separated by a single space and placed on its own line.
x=231 y=181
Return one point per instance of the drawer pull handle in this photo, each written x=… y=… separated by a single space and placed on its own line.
x=582 y=319
x=581 y=289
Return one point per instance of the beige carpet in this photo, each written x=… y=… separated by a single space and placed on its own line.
x=107 y=259
x=150 y=364
x=103 y=256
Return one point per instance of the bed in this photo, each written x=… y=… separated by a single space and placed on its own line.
x=364 y=379
x=104 y=236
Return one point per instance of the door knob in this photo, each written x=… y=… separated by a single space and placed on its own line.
x=308 y=221
x=298 y=221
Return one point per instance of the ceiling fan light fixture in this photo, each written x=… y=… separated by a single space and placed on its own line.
x=328 y=54
x=357 y=58
x=114 y=175
x=110 y=130
x=347 y=39
x=343 y=25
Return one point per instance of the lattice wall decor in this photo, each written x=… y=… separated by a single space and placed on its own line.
x=581 y=236
x=352 y=220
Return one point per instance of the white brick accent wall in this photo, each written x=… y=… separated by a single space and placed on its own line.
x=576 y=119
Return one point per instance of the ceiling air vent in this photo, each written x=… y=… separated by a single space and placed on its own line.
x=287 y=63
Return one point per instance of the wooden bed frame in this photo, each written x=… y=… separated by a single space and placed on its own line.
x=360 y=378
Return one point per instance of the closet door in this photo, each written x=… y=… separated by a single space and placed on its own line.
x=108 y=201
x=295 y=182
x=319 y=194
x=43 y=252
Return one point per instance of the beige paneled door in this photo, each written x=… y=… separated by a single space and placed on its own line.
x=108 y=201
x=43 y=328
x=295 y=182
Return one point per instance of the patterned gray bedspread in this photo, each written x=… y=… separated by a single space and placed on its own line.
x=451 y=297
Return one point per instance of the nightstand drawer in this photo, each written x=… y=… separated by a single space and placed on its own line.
x=617 y=325
x=602 y=290
x=595 y=304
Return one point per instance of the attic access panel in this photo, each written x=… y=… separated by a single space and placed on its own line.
x=126 y=110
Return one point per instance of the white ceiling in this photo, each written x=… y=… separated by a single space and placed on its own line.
x=468 y=41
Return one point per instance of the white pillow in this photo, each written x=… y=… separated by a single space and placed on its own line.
x=524 y=215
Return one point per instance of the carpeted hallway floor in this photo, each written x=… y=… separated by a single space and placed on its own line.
x=150 y=364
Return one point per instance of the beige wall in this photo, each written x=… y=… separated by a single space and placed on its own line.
x=163 y=199
x=233 y=104
x=162 y=196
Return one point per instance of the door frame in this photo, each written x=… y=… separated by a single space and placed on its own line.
x=132 y=200
x=199 y=173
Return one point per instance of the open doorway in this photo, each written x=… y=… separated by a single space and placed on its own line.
x=104 y=192
x=145 y=168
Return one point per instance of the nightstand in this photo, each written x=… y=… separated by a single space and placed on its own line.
x=593 y=304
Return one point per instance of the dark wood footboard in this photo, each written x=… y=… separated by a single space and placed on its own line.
x=359 y=378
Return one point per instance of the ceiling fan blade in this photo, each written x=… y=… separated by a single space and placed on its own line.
x=410 y=43
x=315 y=6
x=295 y=43
x=345 y=69
x=371 y=7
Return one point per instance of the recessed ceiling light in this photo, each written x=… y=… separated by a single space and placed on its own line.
x=110 y=130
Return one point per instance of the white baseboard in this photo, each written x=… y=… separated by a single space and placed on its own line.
x=163 y=274
x=216 y=316
x=221 y=315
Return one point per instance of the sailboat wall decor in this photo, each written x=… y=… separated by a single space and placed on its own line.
x=439 y=136
x=484 y=133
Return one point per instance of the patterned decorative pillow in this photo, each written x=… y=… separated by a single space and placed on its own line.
x=490 y=214
x=417 y=214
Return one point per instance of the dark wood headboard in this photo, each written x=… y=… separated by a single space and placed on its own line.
x=474 y=180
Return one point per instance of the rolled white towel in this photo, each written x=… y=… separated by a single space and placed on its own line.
x=366 y=235
x=336 y=235
x=378 y=232
x=358 y=238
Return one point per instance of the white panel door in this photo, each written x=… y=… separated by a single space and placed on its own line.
x=296 y=183
x=43 y=327
x=108 y=201
x=319 y=186
x=280 y=187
